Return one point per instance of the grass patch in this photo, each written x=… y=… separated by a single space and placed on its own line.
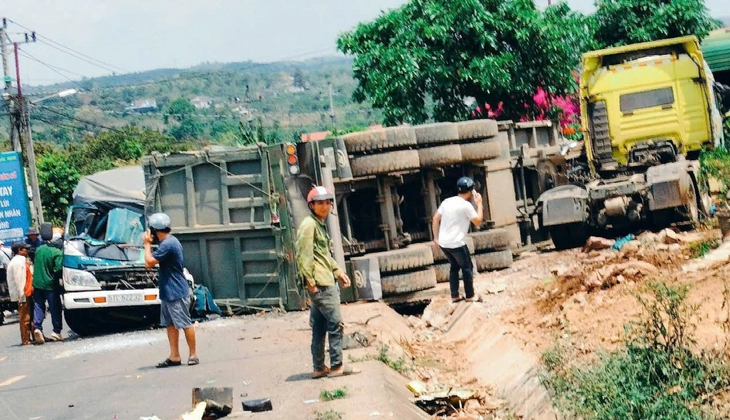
x=400 y=365
x=715 y=164
x=701 y=248
x=327 y=415
x=656 y=375
x=334 y=394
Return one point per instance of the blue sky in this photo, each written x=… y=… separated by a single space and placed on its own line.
x=136 y=35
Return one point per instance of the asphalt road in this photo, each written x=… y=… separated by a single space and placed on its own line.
x=113 y=376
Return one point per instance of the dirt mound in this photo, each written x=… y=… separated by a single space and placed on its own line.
x=648 y=257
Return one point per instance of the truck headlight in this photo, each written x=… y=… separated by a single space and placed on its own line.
x=77 y=280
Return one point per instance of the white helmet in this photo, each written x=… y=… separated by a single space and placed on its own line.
x=159 y=221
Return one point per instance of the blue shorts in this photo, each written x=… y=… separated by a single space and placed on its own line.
x=176 y=313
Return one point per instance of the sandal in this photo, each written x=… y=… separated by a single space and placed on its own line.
x=193 y=361
x=168 y=363
x=321 y=373
x=343 y=371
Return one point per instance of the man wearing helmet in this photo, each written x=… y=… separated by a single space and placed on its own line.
x=318 y=270
x=174 y=290
x=450 y=226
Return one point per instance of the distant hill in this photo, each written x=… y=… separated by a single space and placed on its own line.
x=725 y=21
x=288 y=98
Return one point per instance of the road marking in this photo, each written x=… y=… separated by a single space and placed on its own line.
x=12 y=380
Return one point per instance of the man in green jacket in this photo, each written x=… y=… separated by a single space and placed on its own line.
x=46 y=272
x=318 y=270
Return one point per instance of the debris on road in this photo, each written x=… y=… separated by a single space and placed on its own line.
x=218 y=401
x=257 y=406
x=196 y=413
x=356 y=340
x=596 y=243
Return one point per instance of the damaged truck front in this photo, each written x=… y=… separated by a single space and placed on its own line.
x=105 y=283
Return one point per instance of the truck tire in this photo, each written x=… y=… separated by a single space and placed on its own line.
x=442 y=271
x=414 y=256
x=387 y=138
x=571 y=235
x=2 y=317
x=480 y=151
x=491 y=261
x=477 y=129
x=78 y=322
x=490 y=240
x=436 y=133
x=381 y=163
x=433 y=157
x=438 y=254
x=408 y=282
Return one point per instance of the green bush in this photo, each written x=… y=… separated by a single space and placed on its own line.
x=656 y=375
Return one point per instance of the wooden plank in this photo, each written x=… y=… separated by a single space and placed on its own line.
x=225 y=211
x=190 y=197
x=246 y=203
x=259 y=255
x=233 y=180
x=259 y=278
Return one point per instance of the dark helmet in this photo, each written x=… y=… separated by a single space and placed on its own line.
x=319 y=194
x=464 y=184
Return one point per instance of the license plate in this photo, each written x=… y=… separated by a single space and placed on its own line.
x=124 y=298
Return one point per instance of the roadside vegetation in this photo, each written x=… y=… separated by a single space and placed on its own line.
x=333 y=394
x=657 y=373
x=327 y=415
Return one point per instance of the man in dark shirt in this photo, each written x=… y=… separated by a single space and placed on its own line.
x=174 y=290
x=34 y=241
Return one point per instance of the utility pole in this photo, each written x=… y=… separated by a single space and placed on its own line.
x=332 y=108
x=10 y=106
x=28 y=140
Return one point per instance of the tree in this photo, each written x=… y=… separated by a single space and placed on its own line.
x=188 y=127
x=299 y=80
x=622 y=22
x=59 y=170
x=57 y=178
x=443 y=51
x=180 y=109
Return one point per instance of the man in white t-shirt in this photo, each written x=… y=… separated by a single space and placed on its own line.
x=450 y=226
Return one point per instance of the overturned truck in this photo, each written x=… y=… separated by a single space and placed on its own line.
x=236 y=210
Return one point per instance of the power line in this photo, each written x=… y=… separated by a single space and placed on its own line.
x=79 y=57
x=52 y=68
x=91 y=123
x=60 y=125
x=103 y=65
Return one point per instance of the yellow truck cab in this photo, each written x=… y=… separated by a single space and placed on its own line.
x=647 y=111
x=647 y=103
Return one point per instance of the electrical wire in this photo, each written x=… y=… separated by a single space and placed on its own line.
x=58 y=124
x=71 y=117
x=103 y=65
x=51 y=67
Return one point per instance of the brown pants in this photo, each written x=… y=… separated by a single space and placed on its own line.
x=25 y=319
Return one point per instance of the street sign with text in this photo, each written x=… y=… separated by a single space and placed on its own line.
x=14 y=208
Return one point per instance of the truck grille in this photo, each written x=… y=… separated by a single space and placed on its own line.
x=600 y=135
x=126 y=278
